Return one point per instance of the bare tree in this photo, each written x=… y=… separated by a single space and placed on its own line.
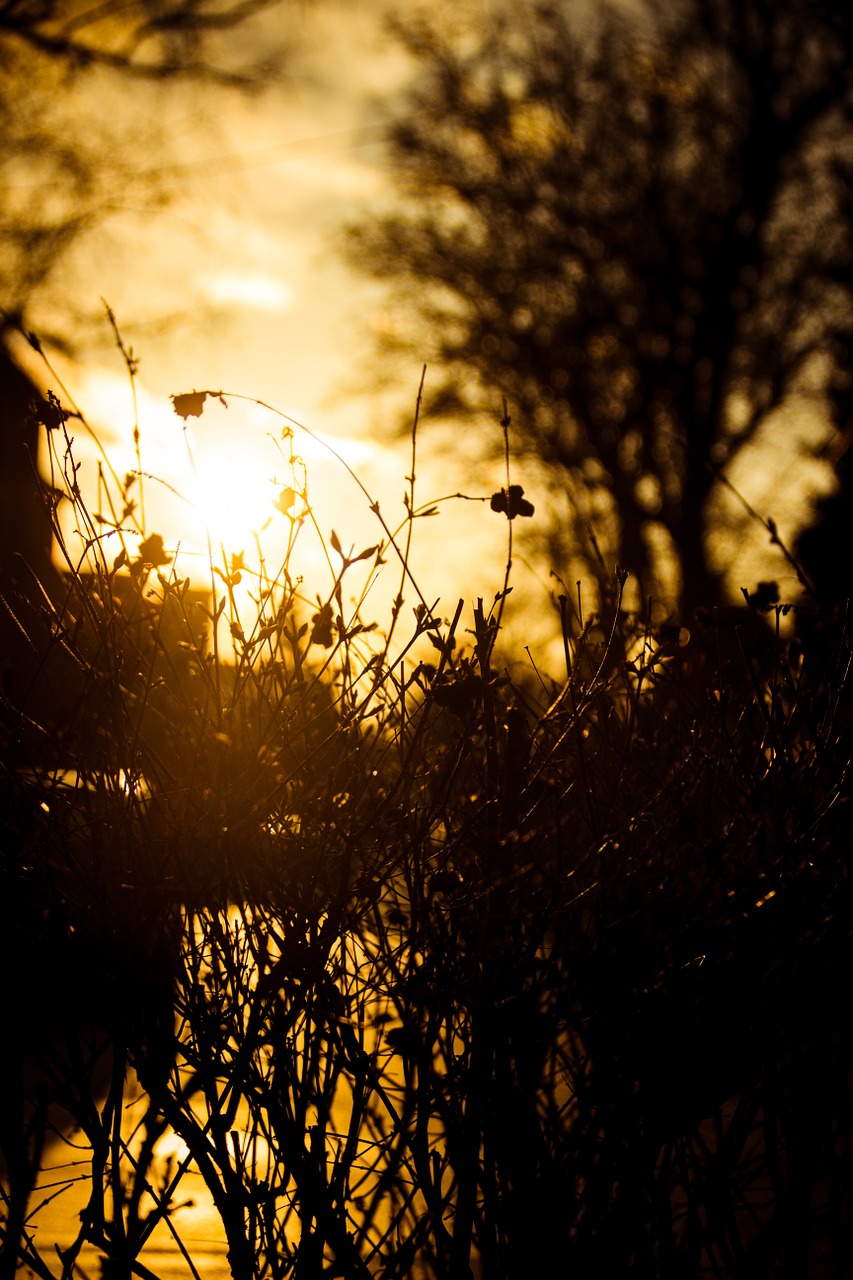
x=640 y=234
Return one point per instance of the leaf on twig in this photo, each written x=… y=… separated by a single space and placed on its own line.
x=285 y=501
x=51 y=413
x=321 y=632
x=152 y=551
x=511 y=502
x=365 y=554
x=190 y=404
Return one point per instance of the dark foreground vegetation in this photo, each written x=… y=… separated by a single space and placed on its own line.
x=432 y=972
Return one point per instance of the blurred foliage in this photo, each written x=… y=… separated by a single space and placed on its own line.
x=143 y=38
x=65 y=166
x=637 y=228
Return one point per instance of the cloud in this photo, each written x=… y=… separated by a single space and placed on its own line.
x=253 y=291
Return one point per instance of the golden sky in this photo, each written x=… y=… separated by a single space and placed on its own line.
x=236 y=284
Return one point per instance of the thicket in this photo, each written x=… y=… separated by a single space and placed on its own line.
x=419 y=969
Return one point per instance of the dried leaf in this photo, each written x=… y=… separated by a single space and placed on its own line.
x=511 y=502
x=190 y=404
x=365 y=554
x=321 y=632
x=152 y=551
x=285 y=501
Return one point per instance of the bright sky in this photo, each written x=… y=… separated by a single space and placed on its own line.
x=244 y=260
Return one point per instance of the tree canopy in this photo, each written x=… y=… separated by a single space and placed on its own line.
x=60 y=175
x=640 y=234
x=143 y=38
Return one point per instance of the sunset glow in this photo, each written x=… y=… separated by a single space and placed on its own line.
x=254 y=291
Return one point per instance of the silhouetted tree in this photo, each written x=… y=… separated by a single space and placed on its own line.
x=144 y=38
x=824 y=554
x=639 y=233
x=57 y=177
x=24 y=520
x=825 y=548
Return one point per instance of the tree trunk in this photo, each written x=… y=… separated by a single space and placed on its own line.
x=24 y=524
x=700 y=584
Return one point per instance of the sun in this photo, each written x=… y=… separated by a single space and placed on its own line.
x=233 y=497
